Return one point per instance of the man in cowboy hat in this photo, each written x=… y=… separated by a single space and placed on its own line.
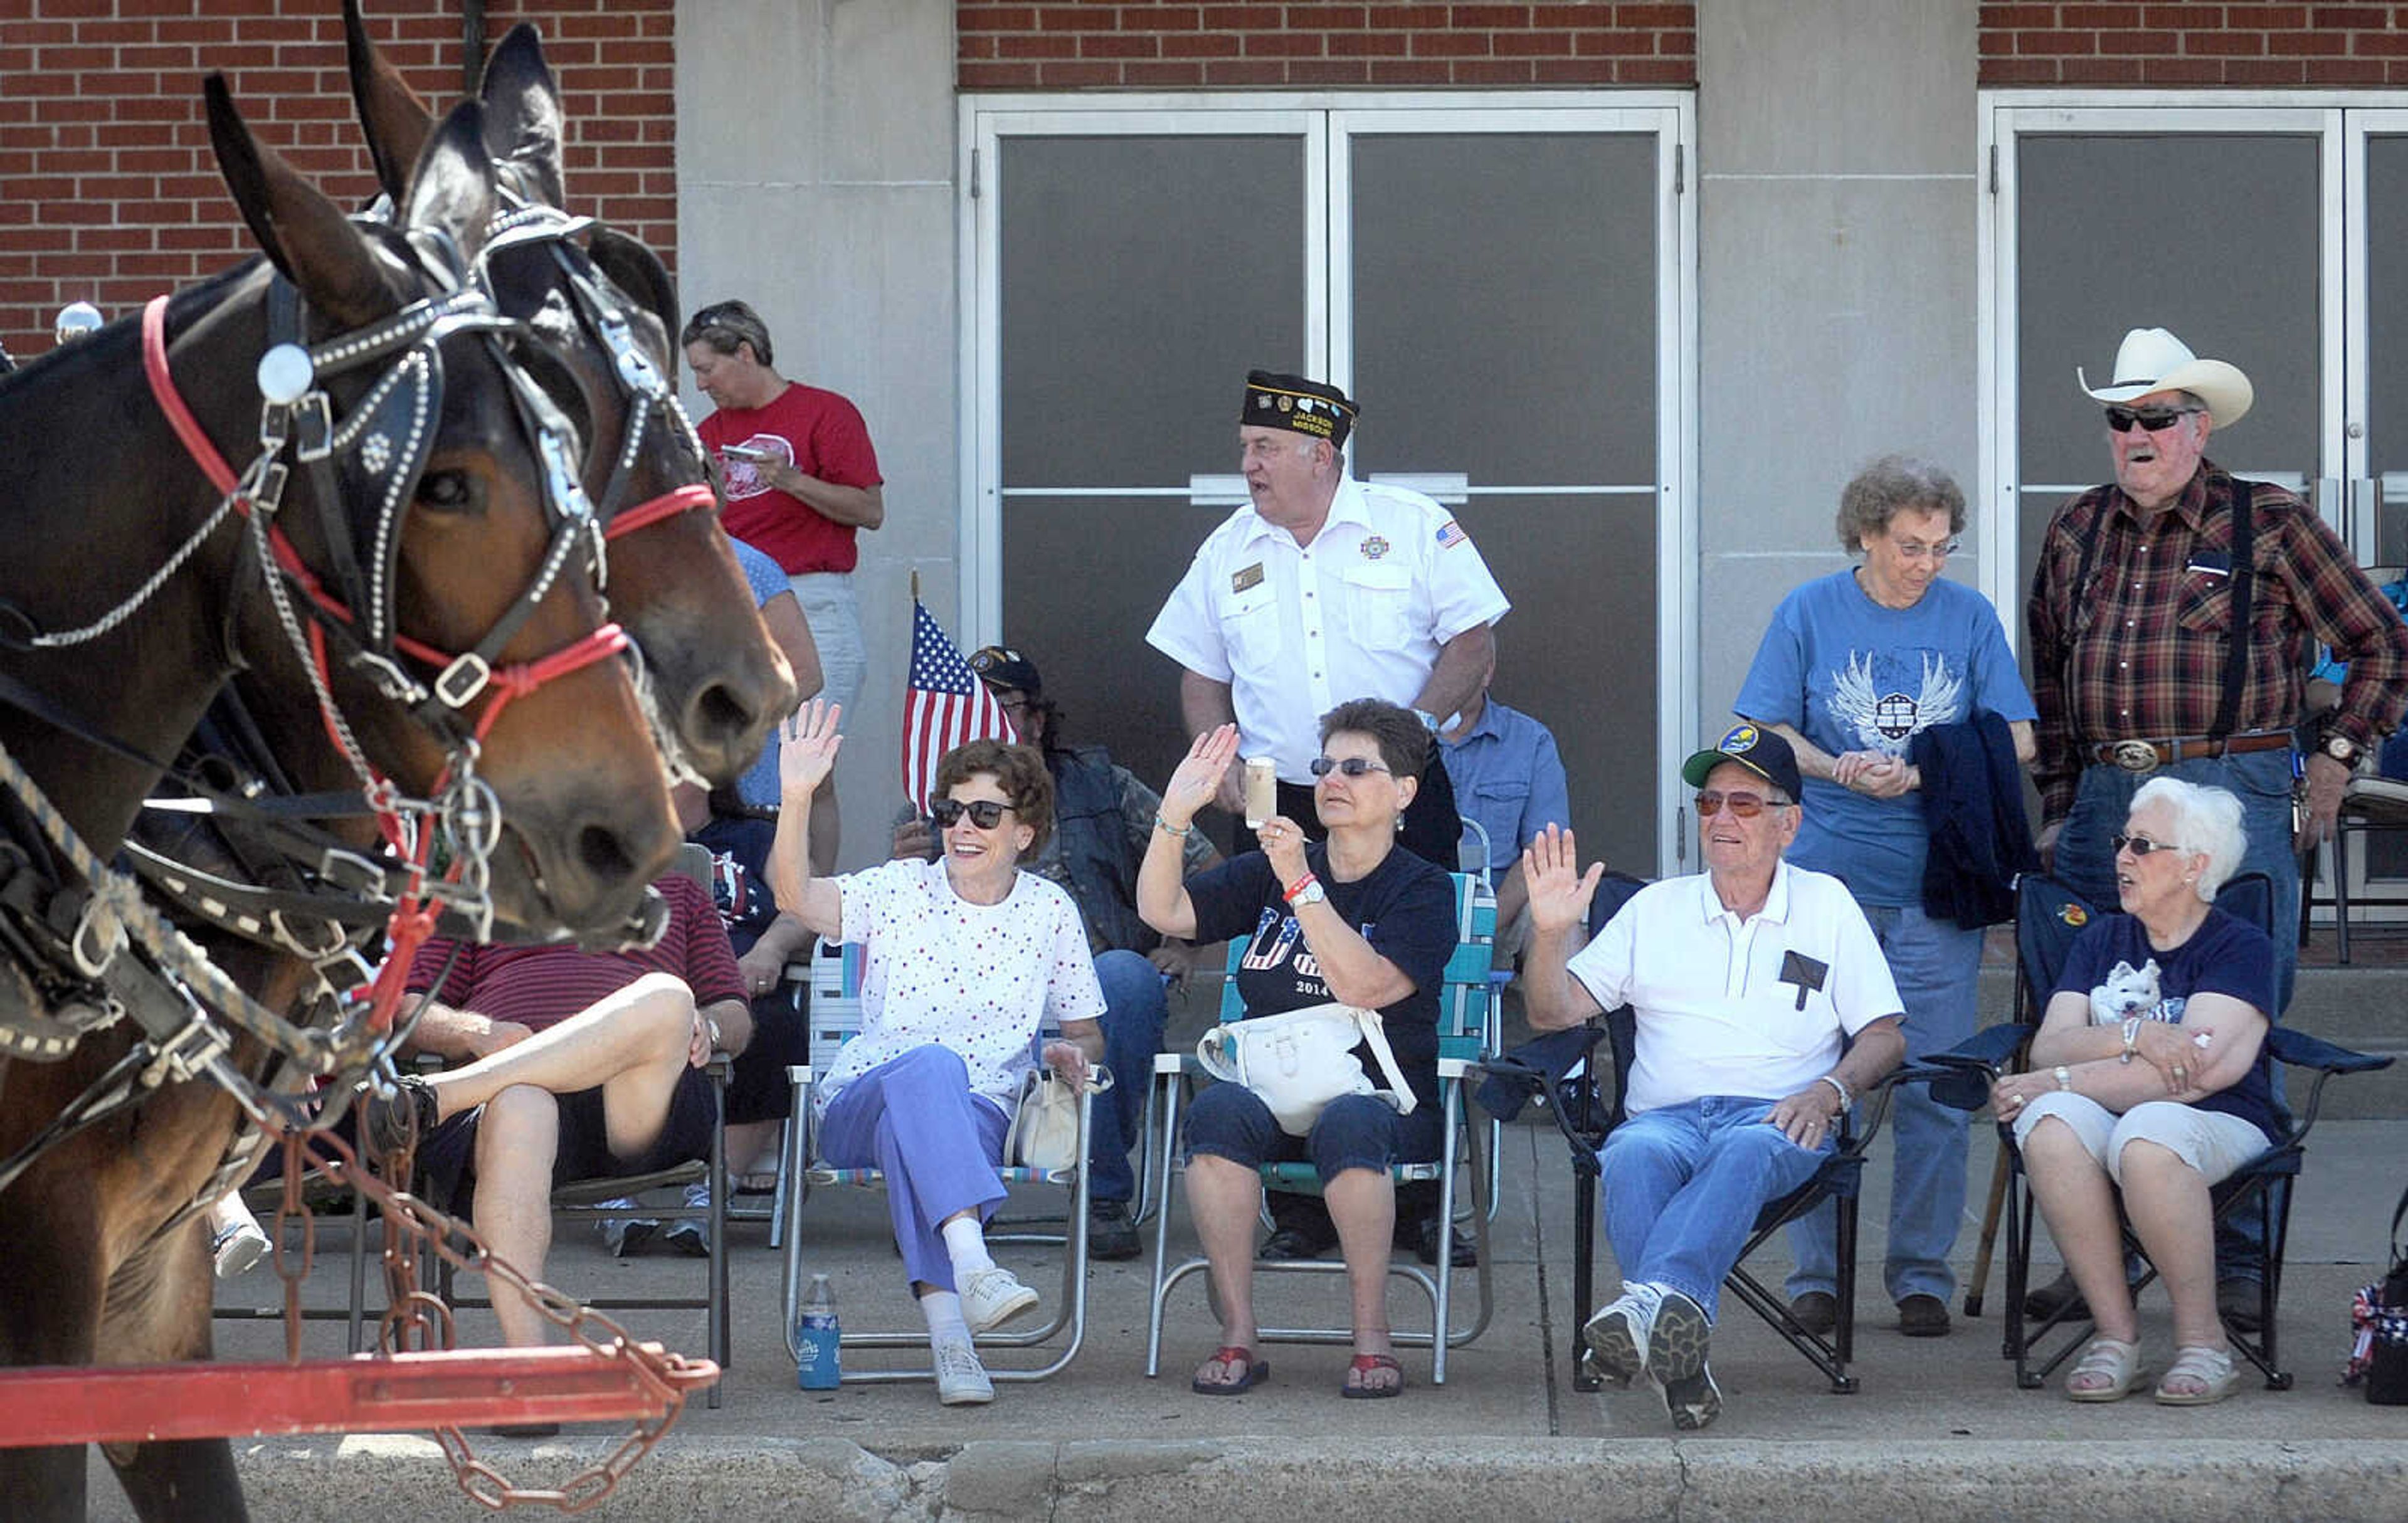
x=2138 y=589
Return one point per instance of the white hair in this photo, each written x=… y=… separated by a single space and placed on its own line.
x=2207 y=821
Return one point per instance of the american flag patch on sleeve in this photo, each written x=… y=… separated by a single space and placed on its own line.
x=1450 y=534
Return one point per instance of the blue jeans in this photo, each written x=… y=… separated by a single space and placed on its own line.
x=2261 y=779
x=1682 y=1185
x=1134 y=1010
x=1935 y=964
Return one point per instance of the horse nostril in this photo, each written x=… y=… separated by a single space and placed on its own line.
x=603 y=855
x=719 y=713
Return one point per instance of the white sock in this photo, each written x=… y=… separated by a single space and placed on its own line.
x=943 y=1310
x=965 y=1244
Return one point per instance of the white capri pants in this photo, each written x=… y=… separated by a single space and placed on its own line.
x=834 y=614
x=2211 y=1142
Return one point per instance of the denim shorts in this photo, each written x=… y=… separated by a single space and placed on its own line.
x=1355 y=1131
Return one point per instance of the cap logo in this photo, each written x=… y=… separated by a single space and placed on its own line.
x=1740 y=739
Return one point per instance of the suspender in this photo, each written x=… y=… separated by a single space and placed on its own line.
x=2244 y=580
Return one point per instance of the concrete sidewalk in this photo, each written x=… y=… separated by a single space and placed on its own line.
x=1937 y=1425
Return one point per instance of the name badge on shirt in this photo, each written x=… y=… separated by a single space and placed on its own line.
x=2214 y=563
x=1251 y=577
x=1805 y=973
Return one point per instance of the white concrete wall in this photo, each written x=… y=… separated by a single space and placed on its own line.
x=1836 y=291
x=815 y=180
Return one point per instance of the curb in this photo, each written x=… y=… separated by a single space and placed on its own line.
x=1591 y=1479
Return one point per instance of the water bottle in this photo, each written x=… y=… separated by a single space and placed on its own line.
x=818 y=1340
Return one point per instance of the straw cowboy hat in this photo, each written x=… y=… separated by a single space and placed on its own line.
x=2154 y=360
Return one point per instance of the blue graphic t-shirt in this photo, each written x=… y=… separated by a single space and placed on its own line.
x=1852 y=675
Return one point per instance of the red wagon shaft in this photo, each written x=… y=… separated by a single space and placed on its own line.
x=362 y=1393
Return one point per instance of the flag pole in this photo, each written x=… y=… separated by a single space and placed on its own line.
x=915 y=584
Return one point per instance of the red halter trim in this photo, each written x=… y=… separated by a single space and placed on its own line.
x=179 y=417
x=697 y=496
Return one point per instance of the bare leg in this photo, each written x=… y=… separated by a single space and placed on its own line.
x=2078 y=1200
x=752 y=1147
x=1223 y=1197
x=1363 y=1203
x=2168 y=1202
x=630 y=1045
x=517 y=1139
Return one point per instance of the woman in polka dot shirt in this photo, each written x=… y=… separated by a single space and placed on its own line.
x=964 y=961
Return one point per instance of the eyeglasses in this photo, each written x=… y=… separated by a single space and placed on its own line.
x=2141 y=846
x=1748 y=806
x=987 y=814
x=1911 y=549
x=1351 y=767
x=2156 y=419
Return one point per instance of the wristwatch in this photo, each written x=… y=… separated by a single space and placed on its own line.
x=1311 y=893
x=2340 y=747
x=2131 y=1038
x=2064 y=1077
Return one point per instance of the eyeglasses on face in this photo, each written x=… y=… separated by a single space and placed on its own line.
x=1351 y=767
x=1748 y=806
x=2141 y=846
x=2156 y=419
x=987 y=814
x=1915 y=549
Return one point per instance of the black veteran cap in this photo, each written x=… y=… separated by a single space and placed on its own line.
x=1292 y=402
x=999 y=666
x=1761 y=751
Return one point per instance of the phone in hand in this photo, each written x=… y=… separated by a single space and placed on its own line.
x=747 y=453
x=1262 y=791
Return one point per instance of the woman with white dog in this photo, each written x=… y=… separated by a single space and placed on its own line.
x=2152 y=1094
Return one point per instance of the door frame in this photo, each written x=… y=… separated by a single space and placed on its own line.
x=1327 y=121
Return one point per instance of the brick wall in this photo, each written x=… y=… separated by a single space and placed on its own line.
x=2169 y=43
x=109 y=192
x=1077 y=44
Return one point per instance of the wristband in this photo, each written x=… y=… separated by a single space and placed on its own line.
x=2131 y=1038
x=1299 y=886
x=1183 y=832
x=1846 y=1099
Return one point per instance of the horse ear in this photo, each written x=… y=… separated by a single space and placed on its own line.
x=451 y=187
x=393 y=115
x=523 y=121
x=634 y=268
x=304 y=235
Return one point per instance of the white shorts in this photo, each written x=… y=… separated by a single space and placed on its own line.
x=2211 y=1142
x=834 y=614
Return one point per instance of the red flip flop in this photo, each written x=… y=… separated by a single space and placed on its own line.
x=1363 y=1365
x=1257 y=1370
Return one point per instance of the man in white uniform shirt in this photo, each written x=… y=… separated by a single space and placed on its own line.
x=1764 y=1008
x=1325 y=589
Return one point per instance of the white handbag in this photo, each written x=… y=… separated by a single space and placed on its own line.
x=1045 y=1125
x=1299 y=1060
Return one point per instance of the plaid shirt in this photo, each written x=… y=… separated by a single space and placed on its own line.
x=2139 y=653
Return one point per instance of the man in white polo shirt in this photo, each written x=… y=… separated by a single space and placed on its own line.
x=1763 y=1007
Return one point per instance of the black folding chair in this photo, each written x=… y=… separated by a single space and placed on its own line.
x=2048 y=917
x=1563 y=1071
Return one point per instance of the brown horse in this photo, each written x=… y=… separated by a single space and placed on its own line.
x=461 y=548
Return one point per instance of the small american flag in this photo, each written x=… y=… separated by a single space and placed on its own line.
x=943 y=706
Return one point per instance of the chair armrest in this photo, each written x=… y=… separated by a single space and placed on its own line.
x=1169 y=1065
x=2299 y=1050
x=1990 y=1048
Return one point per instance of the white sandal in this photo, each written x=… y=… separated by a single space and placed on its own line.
x=2118 y=1363
x=2213 y=1368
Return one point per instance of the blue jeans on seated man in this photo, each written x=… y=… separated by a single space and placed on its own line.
x=1682 y=1185
x=1937 y=964
x=2085 y=863
x=1135 y=1011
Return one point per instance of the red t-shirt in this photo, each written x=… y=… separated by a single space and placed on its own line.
x=823 y=436
x=543 y=985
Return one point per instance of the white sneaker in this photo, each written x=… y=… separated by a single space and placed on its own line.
x=961 y=1379
x=993 y=1297
x=1618 y=1340
x=237 y=1248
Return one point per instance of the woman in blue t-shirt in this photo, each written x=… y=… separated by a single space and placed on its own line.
x=2151 y=1063
x=1357 y=920
x=1854 y=667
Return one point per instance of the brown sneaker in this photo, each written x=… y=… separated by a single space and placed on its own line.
x=1816 y=1311
x=1923 y=1317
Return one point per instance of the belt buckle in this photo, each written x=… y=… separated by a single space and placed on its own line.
x=2135 y=755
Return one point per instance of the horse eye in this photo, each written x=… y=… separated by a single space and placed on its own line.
x=450 y=490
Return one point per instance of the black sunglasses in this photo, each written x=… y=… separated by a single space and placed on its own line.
x=2141 y=846
x=1351 y=767
x=1748 y=806
x=984 y=813
x=2156 y=419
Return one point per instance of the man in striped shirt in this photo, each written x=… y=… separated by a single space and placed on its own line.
x=580 y=1065
x=2138 y=592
